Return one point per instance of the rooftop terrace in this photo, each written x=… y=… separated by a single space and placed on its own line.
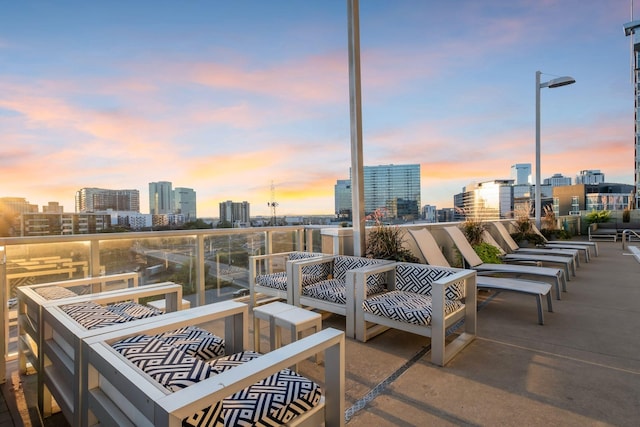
x=582 y=367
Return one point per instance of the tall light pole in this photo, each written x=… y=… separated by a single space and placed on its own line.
x=557 y=82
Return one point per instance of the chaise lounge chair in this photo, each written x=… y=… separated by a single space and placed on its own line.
x=513 y=247
x=474 y=262
x=432 y=254
x=583 y=246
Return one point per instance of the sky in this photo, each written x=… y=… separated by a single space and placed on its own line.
x=249 y=100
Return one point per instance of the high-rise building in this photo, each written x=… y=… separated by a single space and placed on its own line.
x=631 y=29
x=100 y=200
x=590 y=177
x=429 y=213
x=184 y=200
x=392 y=190
x=53 y=207
x=342 y=195
x=160 y=198
x=234 y=212
x=521 y=173
x=487 y=200
x=557 y=180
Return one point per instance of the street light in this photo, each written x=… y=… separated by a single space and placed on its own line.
x=557 y=82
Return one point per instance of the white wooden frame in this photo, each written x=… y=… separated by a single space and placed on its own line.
x=441 y=353
x=120 y=394
x=255 y=288
x=61 y=354
x=300 y=300
x=30 y=305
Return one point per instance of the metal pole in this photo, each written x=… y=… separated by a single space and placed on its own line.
x=355 y=107
x=537 y=200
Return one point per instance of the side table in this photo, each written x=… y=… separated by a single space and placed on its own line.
x=266 y=312
x=296 y=320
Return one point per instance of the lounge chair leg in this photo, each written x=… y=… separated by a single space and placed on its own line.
x=540 y=312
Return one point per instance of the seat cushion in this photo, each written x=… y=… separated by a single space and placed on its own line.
x=273 y=401
x=166 y=364
x=279 y=280
x=130 y=310
x=54 y=292
x=334 y=290
x=406 y=307
x=91 y=315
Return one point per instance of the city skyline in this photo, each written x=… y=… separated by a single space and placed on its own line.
x=228 y=98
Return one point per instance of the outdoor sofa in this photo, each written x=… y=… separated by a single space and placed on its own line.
x=126 y=385
x=417 y=298
x=424 y=244
x=270 y=274
x=330 y=292
x=31 y=299
x=67 y=322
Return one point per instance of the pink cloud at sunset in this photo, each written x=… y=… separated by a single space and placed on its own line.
x=226 y=100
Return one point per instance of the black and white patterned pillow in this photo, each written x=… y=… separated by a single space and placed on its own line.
x=343 y=263
x=55 y=292
x=418 y=278
x=194 y=341
x=130 y=310
x=90 y=315
x=314 y=272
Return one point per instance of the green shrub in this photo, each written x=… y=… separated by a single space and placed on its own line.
x=595 y=217
x=488 y=253
x=384 y=242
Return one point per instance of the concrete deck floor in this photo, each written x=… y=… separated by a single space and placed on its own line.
x=582 y=368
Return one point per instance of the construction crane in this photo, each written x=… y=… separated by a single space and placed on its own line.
x=273 y=204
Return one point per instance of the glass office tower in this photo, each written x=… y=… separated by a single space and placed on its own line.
x=391 y=190
x=633 y=29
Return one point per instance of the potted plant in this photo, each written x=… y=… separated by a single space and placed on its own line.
x=524 y=234
x=473 y=229
x=385 y=242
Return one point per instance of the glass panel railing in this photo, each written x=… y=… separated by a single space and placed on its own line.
x=211 y=265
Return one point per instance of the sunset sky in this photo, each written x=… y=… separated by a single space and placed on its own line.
x=226 y=97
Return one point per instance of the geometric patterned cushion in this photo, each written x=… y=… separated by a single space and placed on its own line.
x=55 y=292
x=274 y=280
x=130 y=310
x=279 y=280
x=417 y=278
x=272 y=401
x=166 y=364
x=310 y=273
x=343 y=263
x=334 y=290
x=91 y=315
x=194 y=341
x=407 y=307
x=320 y=271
